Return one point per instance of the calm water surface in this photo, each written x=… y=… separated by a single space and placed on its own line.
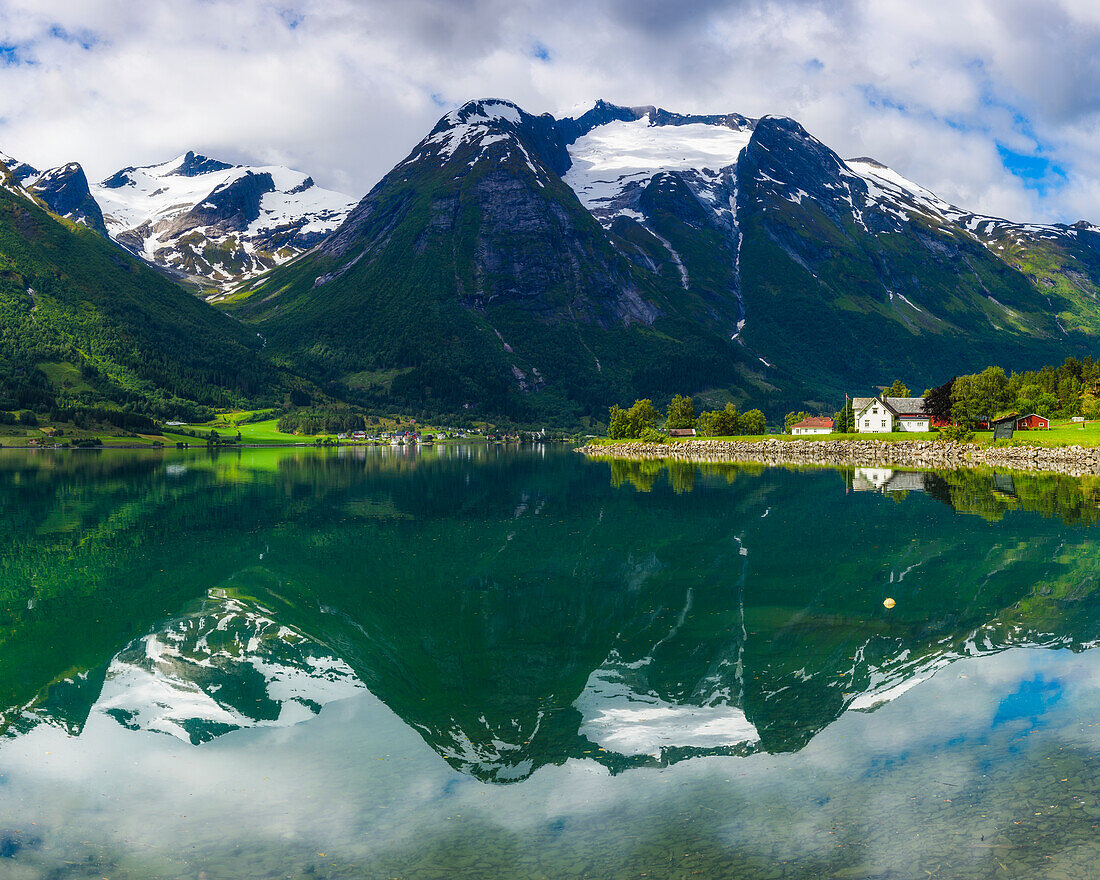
x=489 y=662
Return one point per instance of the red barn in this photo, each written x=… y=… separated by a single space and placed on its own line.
x=1033 y=422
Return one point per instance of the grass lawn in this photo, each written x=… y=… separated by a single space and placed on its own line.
x=1060 y=434
x=267 y=432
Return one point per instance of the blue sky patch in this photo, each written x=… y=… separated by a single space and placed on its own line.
x=84 y=39
x=540 y=51
x=291 y=18
x=1036 y=171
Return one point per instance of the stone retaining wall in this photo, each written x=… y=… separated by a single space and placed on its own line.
x=1072 y=460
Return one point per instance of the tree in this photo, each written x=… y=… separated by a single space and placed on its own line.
x=643 y=414
x=937 y=402
x=753 y=422
x=618 y=426
x=630 y=423
x=897 y=390
x=981 y=396
x=793 y=418
x=844 y=422
x=681 y=412
x=720 y=423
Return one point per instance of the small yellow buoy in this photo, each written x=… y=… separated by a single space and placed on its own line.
x=889 y=603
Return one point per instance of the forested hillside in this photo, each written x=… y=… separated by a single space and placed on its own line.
x=83 y=324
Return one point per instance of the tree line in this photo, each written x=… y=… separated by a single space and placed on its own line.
x=640 y=421
x=1060 y=392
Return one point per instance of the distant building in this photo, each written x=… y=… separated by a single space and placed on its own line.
x=1033 y=422
x=882 y=415
x=813 y=425
x=681 y=432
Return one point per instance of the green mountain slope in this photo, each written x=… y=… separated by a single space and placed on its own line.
x=83 y=323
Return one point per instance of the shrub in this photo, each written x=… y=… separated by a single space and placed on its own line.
x=652 y=435
x=955 y=434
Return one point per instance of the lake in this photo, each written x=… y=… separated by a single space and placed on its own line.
x=513 y=662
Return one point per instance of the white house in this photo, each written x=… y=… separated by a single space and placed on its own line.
x=881 y=415
x=813 y=425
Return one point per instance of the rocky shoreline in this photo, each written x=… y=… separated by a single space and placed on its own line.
x=1071 y=460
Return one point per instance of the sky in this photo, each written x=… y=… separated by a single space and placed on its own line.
x=992 y=104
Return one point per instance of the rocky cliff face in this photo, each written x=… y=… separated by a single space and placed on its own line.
x=66 y=192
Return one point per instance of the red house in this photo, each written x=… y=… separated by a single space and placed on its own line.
x=1033 y=422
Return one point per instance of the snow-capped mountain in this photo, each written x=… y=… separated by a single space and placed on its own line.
x=216 y=223
x=222 y=666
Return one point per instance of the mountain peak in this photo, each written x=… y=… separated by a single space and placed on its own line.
x=604 y=112
x=866 y=160
x=66 y=192
x=485 y=110
x=479 y=124
x=193 y=164
x=21 y=171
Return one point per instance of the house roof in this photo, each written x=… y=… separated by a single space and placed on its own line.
x=906 y=406
x=899 y=406
x=814 y=422
x=1032 y=416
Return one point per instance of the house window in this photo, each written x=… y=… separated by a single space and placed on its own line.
x=867 y=423
x=884 y=423
x=874 y=411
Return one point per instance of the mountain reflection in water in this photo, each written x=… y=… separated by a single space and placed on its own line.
x=517 y=607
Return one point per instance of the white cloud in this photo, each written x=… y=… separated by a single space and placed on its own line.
x=344 y=89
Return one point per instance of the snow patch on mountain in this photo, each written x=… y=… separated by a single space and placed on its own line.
x=901 y=198
x=619 y=156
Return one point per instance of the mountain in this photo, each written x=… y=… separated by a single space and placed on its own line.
x=215 y=224
x=83 y=323
x=536 y=265
x=472 y=277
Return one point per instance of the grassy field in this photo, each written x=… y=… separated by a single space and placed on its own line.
x=1060 y=434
